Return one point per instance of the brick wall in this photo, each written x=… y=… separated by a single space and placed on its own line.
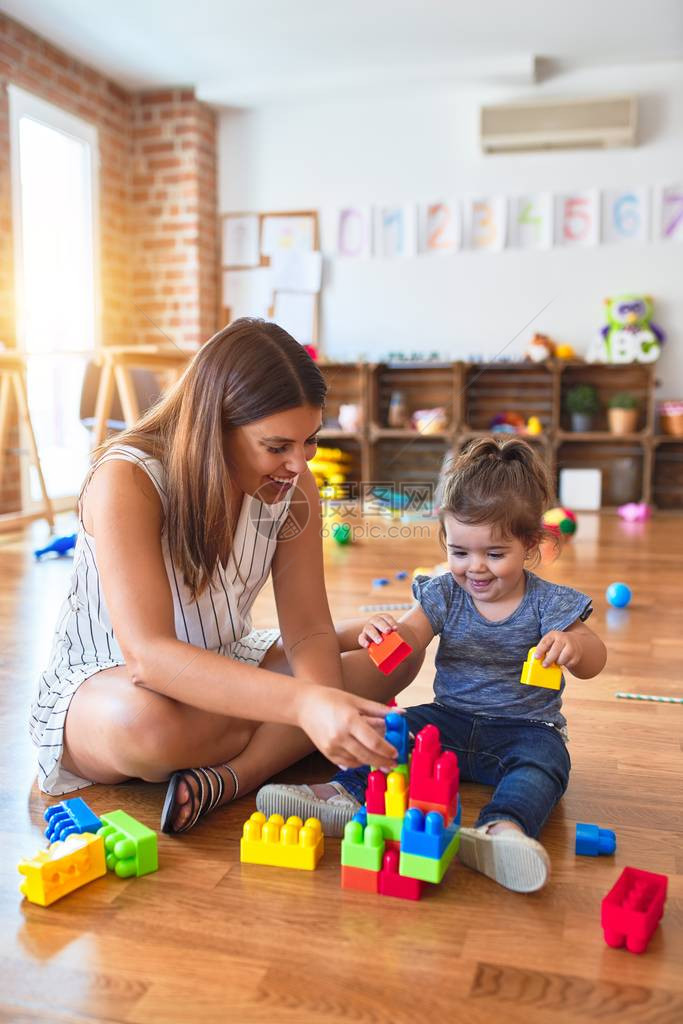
x=174 y=226
x=158 y=207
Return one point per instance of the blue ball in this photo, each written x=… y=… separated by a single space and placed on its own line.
x=618 y=595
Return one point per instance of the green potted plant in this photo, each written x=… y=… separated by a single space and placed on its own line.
x=582 y=405
x=622 y=412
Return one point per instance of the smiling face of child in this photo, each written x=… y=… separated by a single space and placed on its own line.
x=488 y=566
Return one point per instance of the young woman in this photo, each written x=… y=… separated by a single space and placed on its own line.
x=155 y=668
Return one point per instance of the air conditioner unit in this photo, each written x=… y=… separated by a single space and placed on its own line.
x=559 y=124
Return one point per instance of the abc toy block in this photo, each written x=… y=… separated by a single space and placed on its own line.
x=591 y=841
x=434 y=775
x=391 y=883
x=389 y=652
x=396 y=733
x=359 y=879
x=391 y=827
x=362 y=847
x=64 y=866
x=375 y=792
x=70 y=817
x=426 y=835
x=428 y=869
x=632 y=909
x=533 y=673
x=396 y=796
x=131 y=847
x=290 y=844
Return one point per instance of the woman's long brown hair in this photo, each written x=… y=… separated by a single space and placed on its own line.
x=247 y=371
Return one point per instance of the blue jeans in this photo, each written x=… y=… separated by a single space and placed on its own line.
x=526 y=762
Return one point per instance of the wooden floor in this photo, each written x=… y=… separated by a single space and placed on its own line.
x=206 y=939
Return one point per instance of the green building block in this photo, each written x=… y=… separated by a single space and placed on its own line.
x=391 y=827
x=411 y=865
x=130 y=847
x=362 y=848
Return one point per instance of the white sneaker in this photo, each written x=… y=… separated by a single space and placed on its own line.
x=333 y=813
x=509 y=857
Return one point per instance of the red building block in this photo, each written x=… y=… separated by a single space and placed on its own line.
x=632 y=908
x=359 y=879
x=393 y=884
x=389 y=652
x=434 y=775
x=375 y=792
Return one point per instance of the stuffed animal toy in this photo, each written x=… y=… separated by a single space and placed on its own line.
x=539 y=348
x=629 y=335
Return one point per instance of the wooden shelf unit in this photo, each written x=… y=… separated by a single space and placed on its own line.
x=641 y=466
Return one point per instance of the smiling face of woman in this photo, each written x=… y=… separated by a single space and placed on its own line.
x=267 y=456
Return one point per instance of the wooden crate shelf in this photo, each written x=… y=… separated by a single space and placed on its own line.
x=640 y=466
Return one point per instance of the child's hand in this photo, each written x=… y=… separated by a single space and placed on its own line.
x=376 y=628
x=560 y=648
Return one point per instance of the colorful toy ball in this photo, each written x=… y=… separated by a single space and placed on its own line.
x=561 y=522
x=618 y=595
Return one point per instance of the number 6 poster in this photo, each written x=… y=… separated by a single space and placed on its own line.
x=576 y=218
x=625 y=215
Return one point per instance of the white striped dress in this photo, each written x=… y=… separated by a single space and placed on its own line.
x=219 y=620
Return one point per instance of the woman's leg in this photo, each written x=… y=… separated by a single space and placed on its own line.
x=273 y=747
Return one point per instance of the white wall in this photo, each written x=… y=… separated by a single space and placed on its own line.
x=423 y=145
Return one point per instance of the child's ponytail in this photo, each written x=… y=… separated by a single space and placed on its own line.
x=502 y=482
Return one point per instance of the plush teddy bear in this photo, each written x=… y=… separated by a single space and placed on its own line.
x=629 y=335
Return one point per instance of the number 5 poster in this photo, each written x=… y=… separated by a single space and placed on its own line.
x=625 y=215
x=576 y=218
x=531 y=221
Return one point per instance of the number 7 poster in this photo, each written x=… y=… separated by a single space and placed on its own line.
x=576 y=218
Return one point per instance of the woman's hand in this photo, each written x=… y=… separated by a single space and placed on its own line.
x=376 y=628
x=346 y=728
x=560 y=648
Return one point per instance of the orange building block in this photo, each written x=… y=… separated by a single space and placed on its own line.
x=359 y=879
x=389 y=652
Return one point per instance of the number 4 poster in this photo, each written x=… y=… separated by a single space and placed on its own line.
x=531 y=221
x=576 y=218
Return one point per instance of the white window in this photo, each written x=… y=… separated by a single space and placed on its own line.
x=54 y=158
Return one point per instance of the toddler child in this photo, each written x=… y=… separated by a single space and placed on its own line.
x=488 y=610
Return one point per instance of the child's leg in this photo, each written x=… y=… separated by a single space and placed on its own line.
x=528 y=764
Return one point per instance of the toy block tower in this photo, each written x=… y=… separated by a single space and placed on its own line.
x=408 y=832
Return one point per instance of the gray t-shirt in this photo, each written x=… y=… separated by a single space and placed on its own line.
x=479 y=663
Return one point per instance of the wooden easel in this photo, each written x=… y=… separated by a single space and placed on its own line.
x=117 y=361
x=13 y=376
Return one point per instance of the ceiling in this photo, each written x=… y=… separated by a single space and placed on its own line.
x=245 y=53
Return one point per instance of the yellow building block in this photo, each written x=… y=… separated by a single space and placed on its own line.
x=63 y=867
x=396 y=796
x=282 y=845
x=533 y=673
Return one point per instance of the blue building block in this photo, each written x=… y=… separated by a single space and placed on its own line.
x=70 y=817
x=60 y=545
x=396 y=733
x=426 y=835
x=591 y=841
x=380 y=581
x=402 y=575
x=361 y=816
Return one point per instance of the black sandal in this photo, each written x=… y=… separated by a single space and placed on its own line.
x=211 y=789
